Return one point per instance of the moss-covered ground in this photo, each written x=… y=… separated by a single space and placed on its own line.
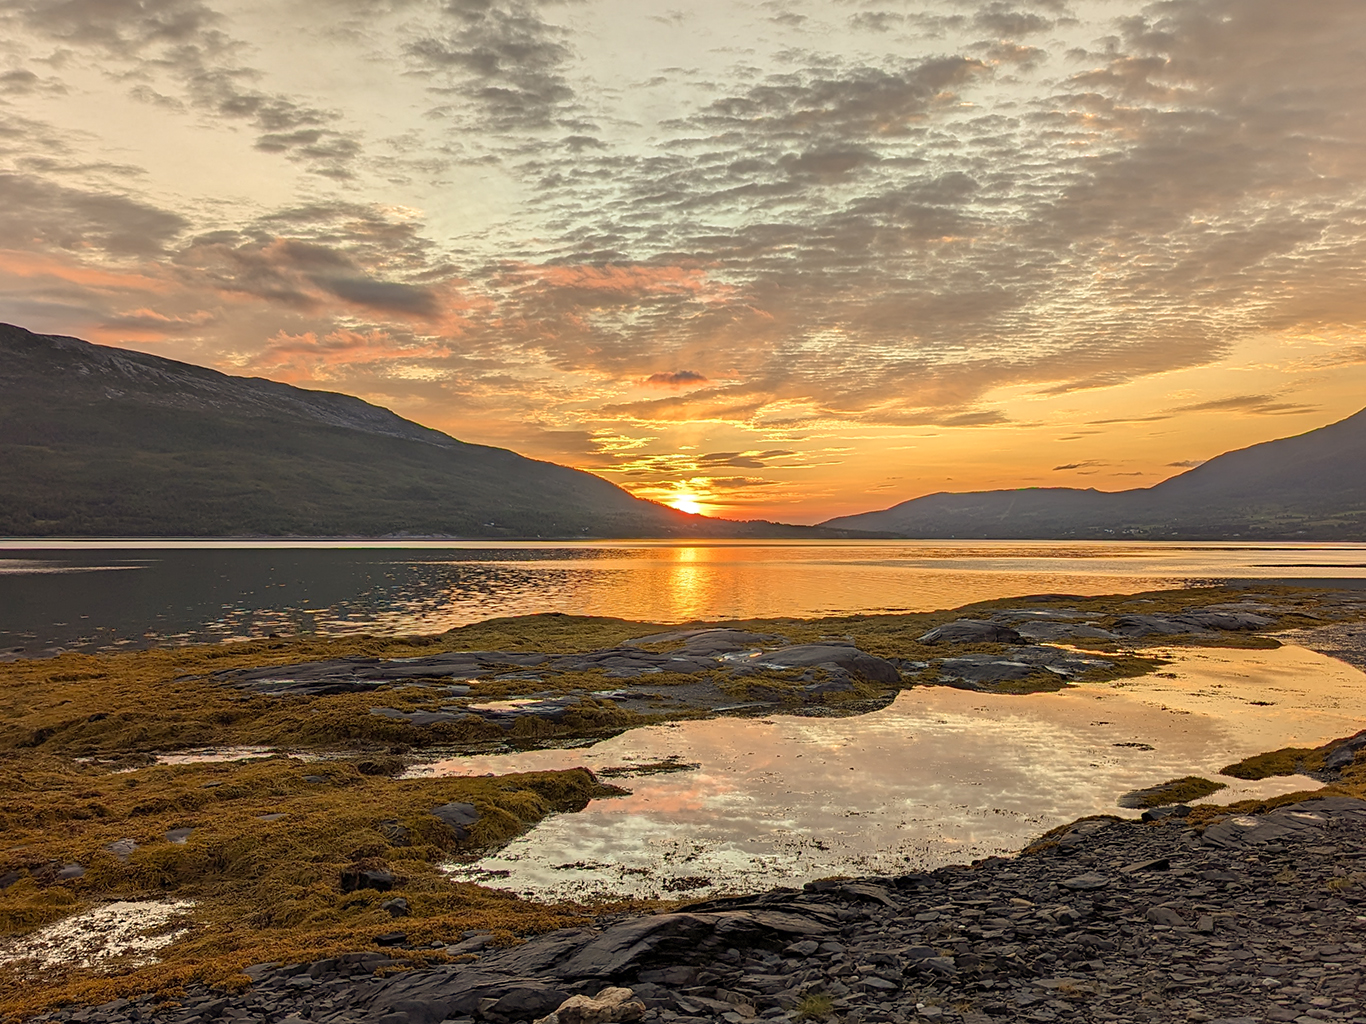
x=264 y=863
x=1177 y=791
x=77 y=732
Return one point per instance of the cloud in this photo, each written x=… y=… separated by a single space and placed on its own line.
x=1079 y=465
x=22 y=82
x=190 y=42
x=874 y=221
x=335 y=252
x=310 y=357
x=678 y=378
x=39 y=211
x=1188 y=463
x=1006 y=23
x=1255 y=405
x=148 y=324
x=503 y=57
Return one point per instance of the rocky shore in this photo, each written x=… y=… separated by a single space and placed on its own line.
x=1244 y=918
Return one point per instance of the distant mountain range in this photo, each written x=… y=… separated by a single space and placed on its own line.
x=99 y=441
x=1308 y=487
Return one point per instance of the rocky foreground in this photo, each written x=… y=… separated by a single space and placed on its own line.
x=1255 y=918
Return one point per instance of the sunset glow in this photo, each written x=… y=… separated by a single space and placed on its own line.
x=880 y=250
x=686 y=503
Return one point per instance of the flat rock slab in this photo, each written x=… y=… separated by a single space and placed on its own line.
x=1139 y=626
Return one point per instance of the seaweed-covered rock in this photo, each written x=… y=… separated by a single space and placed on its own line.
x=458 y=817
x=841 y=656
x=972 y=631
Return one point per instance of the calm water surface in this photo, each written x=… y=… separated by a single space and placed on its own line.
x=100 y=595
x=941 y=776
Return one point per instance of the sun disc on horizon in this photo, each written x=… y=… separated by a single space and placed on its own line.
x=686 y=503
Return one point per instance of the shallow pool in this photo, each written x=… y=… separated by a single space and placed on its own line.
x=940 y=776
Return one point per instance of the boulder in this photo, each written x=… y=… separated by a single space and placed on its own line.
x=609 y=1006
x=353 y=879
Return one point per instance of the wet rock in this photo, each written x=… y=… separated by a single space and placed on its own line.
x=984 y=669
x=710 y=642
x=1138 y=626
x=179 y=835
x=971 y=631
x=458 y=817
x=833 y=656
x=1345 y=753
x=397 y=907
x=122 y=848
x=1055 y=631
x=354 y=879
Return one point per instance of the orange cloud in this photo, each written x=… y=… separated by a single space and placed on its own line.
x=628 y=280
x=28 y=264
x=295 y=357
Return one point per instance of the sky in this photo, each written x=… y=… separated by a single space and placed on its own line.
x=783 y=259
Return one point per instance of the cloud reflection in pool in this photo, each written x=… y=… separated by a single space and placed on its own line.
x=941 y=776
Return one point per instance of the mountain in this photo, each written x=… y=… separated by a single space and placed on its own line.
x=99 y=441
x=1308 y=487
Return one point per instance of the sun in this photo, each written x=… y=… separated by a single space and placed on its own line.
x=686 y=503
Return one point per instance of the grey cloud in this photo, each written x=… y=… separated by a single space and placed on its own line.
x=1078 y=465
x=385 y=296
x=1187 y=463
x=121 y=27
x=297 y=272
x=504 y=56
x=22 y=81
x=187 y=38
x=1008 y=23
x=876 y=21
x=39 y=211
x=859 y=102
x=677 y=378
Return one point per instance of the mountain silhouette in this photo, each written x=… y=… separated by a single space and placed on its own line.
x=1308 y=487
x=101 y=441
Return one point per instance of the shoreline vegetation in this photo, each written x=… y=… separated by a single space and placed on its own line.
x=298 y=858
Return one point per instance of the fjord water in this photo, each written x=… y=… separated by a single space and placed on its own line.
x=93 y=595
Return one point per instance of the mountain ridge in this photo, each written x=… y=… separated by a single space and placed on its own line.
x=102 y=441
x=1309 y=486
